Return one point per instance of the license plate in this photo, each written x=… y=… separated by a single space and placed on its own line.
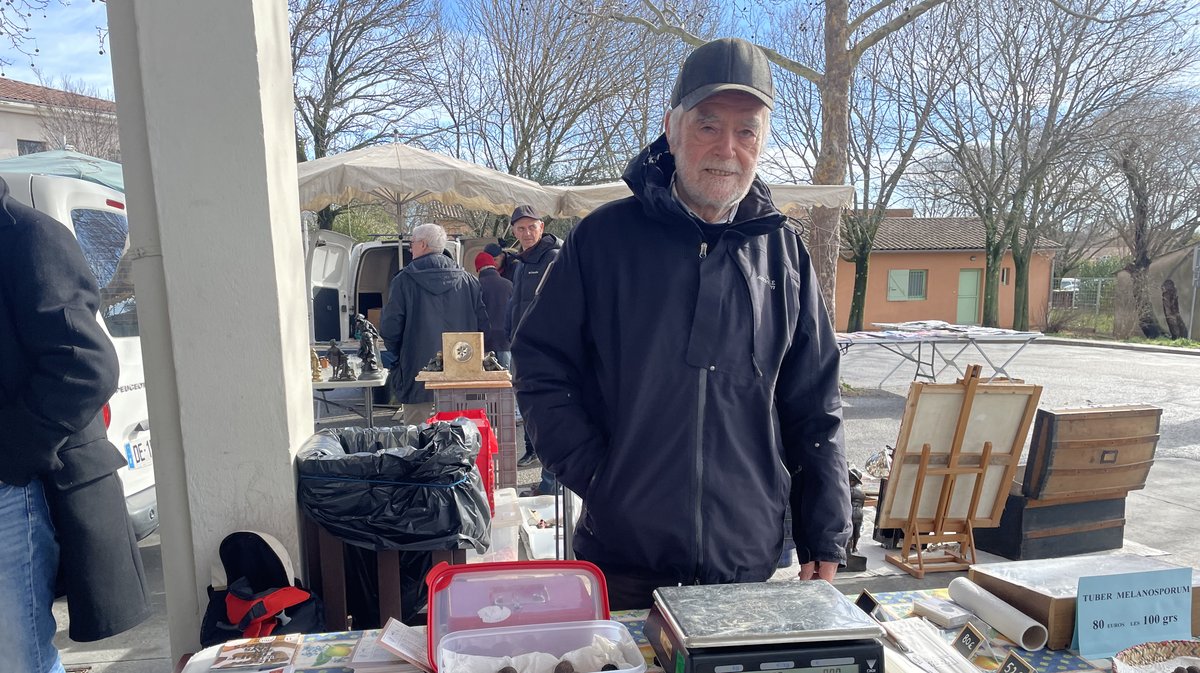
x=138 y=454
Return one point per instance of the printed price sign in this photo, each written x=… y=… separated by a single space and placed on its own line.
x=1113 y=612
x=1013 y=663
x=968 y=641
x=867 y=603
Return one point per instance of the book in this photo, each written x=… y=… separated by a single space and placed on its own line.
x=257 y=654
x=327 y=650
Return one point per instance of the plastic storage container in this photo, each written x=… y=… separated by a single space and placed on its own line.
x=509 y=609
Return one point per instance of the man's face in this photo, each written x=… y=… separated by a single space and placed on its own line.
x=716 y=151
x=528 y=231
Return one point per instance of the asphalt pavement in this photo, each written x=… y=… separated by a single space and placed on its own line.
x=1161 y=520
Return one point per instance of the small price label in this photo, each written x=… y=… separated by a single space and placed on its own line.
x=968 y=640
x=1013 y=663
x=866 y=602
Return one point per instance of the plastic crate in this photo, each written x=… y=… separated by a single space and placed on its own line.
x=501 y=407
x=486 y=460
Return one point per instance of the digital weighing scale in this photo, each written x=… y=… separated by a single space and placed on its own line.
x=778 y=627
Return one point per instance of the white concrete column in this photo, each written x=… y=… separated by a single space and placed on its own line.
x=204 y=101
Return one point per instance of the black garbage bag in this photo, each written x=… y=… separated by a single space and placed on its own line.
x=397 y=488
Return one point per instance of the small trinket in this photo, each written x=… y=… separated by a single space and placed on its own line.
x=507 y=669
x=564 y=666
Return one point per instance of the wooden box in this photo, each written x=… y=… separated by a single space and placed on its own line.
x=1098 y=452
x=1038 y=529
x=1045 y=589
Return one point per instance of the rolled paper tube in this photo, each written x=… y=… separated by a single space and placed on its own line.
x=1009 y=621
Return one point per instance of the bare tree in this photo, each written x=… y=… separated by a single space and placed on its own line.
x=80 y=118
x=1153 y=198
x=1033 y=83
x=358 y=67
x=15 y=26
x=547 y=93
x=845 y=39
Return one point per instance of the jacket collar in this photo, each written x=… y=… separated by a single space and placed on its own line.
x=649 y=176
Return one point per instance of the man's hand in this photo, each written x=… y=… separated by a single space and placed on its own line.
x=824 y=571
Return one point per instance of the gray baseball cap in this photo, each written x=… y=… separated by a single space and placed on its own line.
x=727 y=64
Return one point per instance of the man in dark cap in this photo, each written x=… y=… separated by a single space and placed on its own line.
x=506 y=264
x=678 y=369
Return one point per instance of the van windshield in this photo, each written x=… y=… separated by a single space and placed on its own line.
x=104 y=235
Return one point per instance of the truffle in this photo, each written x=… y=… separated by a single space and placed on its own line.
x=507 y=669
x=608 y=667
x=1193 y=669
x=564 y=666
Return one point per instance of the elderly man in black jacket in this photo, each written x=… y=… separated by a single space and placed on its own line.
x=678 y=369
x=57 y=467
x=431 y=295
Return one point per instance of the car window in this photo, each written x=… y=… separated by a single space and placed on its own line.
x=102 y=235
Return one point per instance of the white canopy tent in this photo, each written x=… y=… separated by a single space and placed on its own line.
x=398 y=174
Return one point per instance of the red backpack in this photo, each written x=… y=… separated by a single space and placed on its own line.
x=254 y=592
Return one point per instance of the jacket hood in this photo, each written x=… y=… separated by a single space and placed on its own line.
x=536 y=253
x=649 y=177
x=435 y=273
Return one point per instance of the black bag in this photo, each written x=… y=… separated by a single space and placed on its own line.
x=255 y=593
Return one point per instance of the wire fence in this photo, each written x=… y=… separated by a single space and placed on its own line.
x=1085 y=305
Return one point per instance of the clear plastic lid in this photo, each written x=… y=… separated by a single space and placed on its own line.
x=490 y=595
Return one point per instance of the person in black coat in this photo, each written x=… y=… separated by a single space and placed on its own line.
x=678 y=369
x=60 y=498
x=431 y=295
x=497 y=291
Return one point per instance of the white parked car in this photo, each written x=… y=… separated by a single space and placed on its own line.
x=96 y=215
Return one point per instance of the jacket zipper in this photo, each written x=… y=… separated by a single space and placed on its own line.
x=701 y=403
x=703 y=249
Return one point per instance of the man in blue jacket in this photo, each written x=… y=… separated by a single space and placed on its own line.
x=678 y=369
x=431 y=295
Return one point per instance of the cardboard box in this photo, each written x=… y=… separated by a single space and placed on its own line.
x=1045 y=589
x=373 y=316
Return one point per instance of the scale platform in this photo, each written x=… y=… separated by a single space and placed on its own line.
x=779 y=627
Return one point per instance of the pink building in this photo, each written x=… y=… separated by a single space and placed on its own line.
x=931 y=268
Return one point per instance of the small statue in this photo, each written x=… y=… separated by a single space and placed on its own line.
x=434 y=365
x=368 y=348
x=314 y=362
x=854 y=561
x=340 y=363
x=492 y=364
x=857 y=500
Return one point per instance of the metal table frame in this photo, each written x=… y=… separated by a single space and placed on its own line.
x=924 y=351
x=368 y=387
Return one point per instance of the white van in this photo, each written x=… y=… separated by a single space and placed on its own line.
x=96 y=215
x=349 y=278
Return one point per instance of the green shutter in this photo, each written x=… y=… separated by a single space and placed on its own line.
x=897 y=285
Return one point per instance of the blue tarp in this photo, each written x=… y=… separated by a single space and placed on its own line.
x=70 y=164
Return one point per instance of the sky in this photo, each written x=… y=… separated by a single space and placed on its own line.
x=65 y=36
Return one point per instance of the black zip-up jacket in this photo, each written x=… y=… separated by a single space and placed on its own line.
x=682 y=387
x=429 y=296
x=532 y=265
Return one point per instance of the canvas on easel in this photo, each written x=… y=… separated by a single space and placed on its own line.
x=955 y=459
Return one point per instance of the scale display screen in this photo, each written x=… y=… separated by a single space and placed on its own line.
x=843 y=668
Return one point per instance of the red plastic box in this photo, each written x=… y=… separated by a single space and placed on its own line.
x=506 y=609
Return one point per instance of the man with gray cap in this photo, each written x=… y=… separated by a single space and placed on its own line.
x=678 y=368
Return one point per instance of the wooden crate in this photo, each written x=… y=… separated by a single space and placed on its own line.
x=1099 y=452
x=1038 y=529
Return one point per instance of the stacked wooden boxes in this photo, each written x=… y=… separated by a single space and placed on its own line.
x=1081 y=465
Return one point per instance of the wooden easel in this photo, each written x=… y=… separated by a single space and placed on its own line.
x=951 y=521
